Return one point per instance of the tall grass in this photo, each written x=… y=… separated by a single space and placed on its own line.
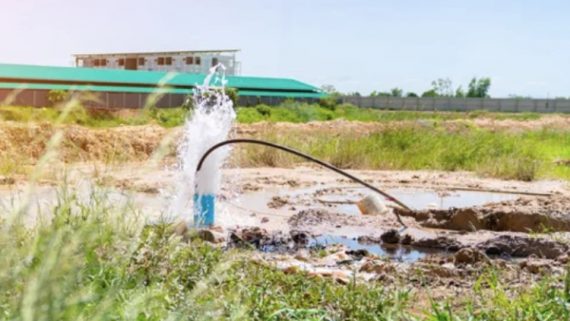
x=522 y=156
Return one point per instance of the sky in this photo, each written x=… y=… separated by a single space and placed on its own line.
x=354 y=45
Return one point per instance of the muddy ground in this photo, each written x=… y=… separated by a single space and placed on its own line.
x=305 y=219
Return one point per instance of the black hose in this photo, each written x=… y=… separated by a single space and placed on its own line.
x=308 y=157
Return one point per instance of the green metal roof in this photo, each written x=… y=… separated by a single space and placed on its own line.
x=123 y=78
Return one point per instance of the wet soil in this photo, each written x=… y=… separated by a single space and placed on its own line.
x=305 y=220
x=525 y=214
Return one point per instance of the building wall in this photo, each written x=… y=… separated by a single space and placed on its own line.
x=39 y=98
x=462 y=104
x=200 y=62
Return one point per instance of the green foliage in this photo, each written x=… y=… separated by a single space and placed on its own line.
x=329 y=102
x=479 y=88
x=233 y=95
x=411 y=94
x=102 y=118
x=380 y=94
x=443 y=87
x=396 y=92
x=521 y=156
x=459 y=93
x=296 y=112
x=429 y=93
x=263 y=110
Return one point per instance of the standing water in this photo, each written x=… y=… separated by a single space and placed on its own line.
x=210 y=123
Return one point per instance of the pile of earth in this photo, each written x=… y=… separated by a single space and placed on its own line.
x=526 y=214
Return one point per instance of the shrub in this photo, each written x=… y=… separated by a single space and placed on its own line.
x=329 y=102
x=233 y=95
x=264 y=110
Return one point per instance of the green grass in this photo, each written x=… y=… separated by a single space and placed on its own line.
x=95 y=261
x=166 y=117
x=301 y=113
x=287 y=112
x=522 y=156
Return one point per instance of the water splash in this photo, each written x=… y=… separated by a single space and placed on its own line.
x=210 y=122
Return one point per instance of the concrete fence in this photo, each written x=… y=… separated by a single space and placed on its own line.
x=462 y=104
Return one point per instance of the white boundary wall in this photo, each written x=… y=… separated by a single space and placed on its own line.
x=462 y=104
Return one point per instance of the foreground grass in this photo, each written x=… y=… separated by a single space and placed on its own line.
x=93 y=261
x=522 y=156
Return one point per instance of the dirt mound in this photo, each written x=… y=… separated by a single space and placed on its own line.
x=522 y=246
x=28 y=142
x=522 y=215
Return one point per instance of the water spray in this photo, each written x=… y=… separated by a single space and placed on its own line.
x=204 y=206
x=210 y=122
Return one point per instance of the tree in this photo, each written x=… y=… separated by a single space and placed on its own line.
x=479 y=88
x=329 y=89
x=443 y=87
x=396 y=92
x=411 y=94
x=459 y=93
x=380 y=94
x=430 y=93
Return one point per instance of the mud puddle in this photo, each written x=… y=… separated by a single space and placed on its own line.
x=343 y=200
x=420 y=198
x=399 y=253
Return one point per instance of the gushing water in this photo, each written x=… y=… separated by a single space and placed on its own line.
x=210 y=122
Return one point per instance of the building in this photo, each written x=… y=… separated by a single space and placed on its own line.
x=197 y=62
x=28 y=85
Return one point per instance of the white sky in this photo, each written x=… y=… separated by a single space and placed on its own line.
x=358 y=45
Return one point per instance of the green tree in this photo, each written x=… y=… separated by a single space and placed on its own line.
x=479 y=88
x=329 y=89
x=459 y=93
x=380 y=94
x=411 y=94
x=396 y=92
x=430 y=93
x=443 y=87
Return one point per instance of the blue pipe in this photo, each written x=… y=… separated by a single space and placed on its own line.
x=204 y=210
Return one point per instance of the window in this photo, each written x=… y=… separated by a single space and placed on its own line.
x=189 y=60
x=141 y=61
x=103 y=62
x=198 y=60
x=168 y=61
x=160 y=61
x=121 y=62
x=214 y=61
x=96 y=62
